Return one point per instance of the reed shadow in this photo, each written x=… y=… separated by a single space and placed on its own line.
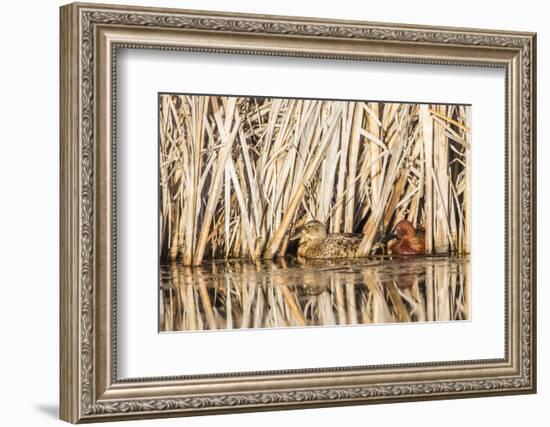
x=50 y=410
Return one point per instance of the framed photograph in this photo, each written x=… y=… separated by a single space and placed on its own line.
x=266 y=212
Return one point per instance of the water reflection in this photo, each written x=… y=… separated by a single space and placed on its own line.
x=240 y=294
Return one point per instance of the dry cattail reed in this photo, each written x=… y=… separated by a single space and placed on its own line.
x=237 y=174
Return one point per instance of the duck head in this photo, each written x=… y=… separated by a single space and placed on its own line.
x=312 y=231
x=403 y=230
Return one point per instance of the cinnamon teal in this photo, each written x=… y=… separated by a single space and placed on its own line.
x=315 y=242
x=405 y=240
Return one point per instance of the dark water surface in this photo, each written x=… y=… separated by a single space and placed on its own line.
x=238 y=294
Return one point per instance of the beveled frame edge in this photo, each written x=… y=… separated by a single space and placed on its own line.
x=88 y=390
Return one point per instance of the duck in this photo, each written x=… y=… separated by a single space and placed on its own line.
x=315 y=242
x=405 y=240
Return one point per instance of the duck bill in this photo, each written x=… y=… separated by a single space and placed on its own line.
x=297 y=234
x=388 y=237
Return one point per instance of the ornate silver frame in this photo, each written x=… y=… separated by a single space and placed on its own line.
x=90 y=36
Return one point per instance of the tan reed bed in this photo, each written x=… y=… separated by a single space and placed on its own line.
x=238 y=174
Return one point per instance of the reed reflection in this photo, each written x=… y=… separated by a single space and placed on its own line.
x=240 y=294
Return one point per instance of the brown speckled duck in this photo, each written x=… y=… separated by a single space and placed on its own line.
x=315 y=242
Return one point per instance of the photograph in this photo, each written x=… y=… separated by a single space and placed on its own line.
x=347 y=208
x=290 y=212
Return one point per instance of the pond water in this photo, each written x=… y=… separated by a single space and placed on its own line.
x=240 y=294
